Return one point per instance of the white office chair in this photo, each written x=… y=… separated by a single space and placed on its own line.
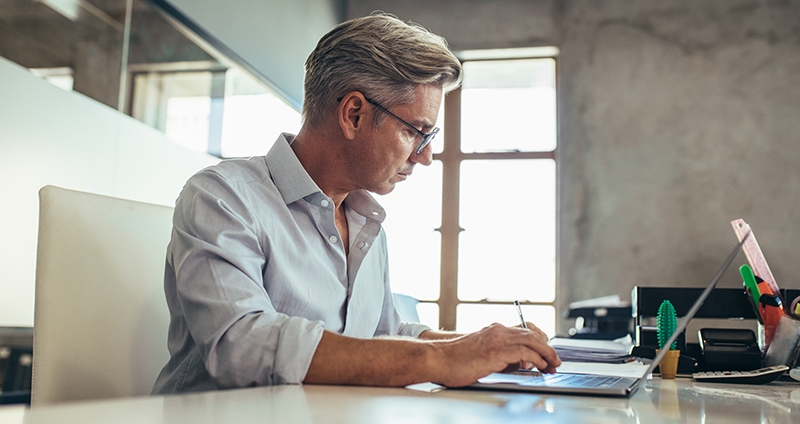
x=100 y=319
x=406 y=306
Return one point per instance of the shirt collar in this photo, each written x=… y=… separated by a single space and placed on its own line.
x=291 y=179
x=294 y=183
x=365 y=205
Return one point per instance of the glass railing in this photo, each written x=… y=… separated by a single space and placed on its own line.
x=143 y=59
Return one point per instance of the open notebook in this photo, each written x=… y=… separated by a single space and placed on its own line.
x=592 y=384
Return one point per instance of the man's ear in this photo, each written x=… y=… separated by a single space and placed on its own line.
x=351 y=113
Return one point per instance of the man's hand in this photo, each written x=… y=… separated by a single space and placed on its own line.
x=495 y=348
x=441 y=357
x=530 y=326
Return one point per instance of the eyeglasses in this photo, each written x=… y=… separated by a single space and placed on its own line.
x=426 y=138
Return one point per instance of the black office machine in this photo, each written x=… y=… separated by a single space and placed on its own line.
x=729 y=349
x=604 y=323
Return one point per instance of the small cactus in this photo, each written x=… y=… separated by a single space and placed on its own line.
x=667 y=323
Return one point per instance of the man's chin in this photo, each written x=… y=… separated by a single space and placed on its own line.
x=384 y=189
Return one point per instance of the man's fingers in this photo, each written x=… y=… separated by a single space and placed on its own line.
x=544 y=356
x=533 y=358
x=536 y=330
x=521 y=348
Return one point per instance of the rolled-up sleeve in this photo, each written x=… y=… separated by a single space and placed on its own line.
x=218 y=256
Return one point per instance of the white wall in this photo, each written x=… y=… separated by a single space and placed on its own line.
x=50 y=136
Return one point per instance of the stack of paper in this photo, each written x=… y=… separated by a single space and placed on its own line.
x=633 y=369
x=583 y=350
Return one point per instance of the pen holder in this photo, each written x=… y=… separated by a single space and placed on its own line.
x=785 y=346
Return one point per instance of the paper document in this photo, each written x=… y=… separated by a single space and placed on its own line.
x=584 y=350
x=426 y=387
x=633 y=369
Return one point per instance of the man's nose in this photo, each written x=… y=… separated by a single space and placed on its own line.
x=425 y=157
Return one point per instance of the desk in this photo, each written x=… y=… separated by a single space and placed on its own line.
x=681 y=400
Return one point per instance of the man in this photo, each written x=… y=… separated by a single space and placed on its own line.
x=277 y=268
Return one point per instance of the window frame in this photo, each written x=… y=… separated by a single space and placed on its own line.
x=451 y=158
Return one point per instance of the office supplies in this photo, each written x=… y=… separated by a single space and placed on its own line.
x=770 y=309
x=593 y=351
x=763 y=287
x=756 y=311
x=770 y=300
x=770 y=315
x=785 y=347
x=729 y=349
x=751 y=290
x=519 y=312
x=601 y=323
x=794 y=308
x=722 y=303
x=749 y=280
x=754 y=255
x=601 y=318
x=588 y=384
x=759 y=376
x=631 y=369
x=426 y=387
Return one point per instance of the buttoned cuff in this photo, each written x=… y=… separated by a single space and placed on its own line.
x=293 y=357
x=411 y=329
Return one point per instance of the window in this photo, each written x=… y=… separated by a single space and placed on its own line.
x=143 y=60
x=201 y=99
x=226 y=112
x=482 y=229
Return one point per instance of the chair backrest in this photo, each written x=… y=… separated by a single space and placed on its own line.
x=100 y=318
x=406 y=306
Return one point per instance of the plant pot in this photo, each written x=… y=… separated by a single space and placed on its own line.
x=669 y=364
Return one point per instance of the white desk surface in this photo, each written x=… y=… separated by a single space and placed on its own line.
x=681 y=400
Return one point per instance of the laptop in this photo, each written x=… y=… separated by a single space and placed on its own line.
x=590 y=384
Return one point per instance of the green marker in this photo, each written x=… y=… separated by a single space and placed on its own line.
x=750 y=282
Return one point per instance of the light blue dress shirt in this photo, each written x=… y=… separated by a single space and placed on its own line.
x=256 y=270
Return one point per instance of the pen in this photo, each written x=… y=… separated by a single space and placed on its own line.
x=519 y=312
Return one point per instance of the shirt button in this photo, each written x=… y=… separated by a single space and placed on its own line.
x=324 y=203
x=333 y=239
x=362 y=245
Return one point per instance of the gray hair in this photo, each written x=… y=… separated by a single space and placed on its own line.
x=382 y=57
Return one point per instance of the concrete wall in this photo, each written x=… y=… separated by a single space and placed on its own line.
x=675 y=117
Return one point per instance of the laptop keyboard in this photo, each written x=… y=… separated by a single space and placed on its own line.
x=574 y=380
